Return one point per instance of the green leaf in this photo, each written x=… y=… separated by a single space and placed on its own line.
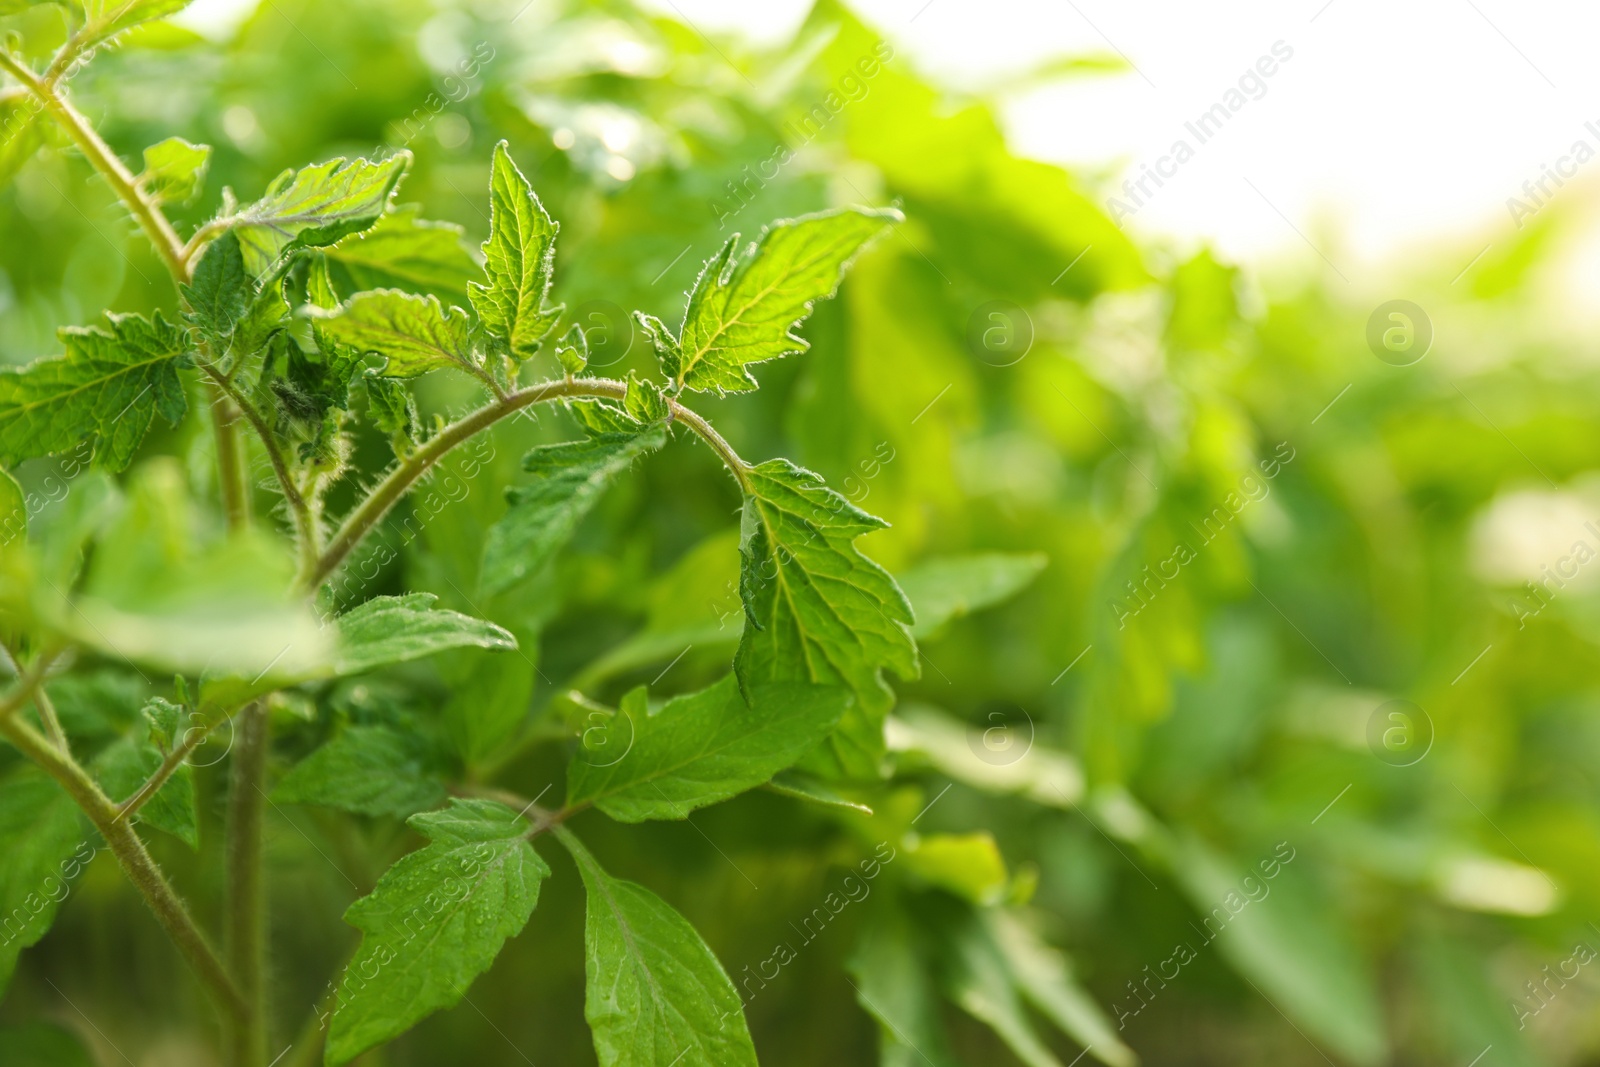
x=316 y=206
x=17 y=7
x=376 y=633
x=997 y=755
x=393 y=411
x=107 y=18
x=174 y=171
x=403 y=251
x=42 y=839
x=803 y=786
x=744 y=308
x=967 y=865
x=163 y=716
x=21 y=125
x=519 y=259
x=109 y=386
x=949 y=587
x=42 y=1045
x=569 y=479
x=1044 y=978
x=975 y=976
x=894 y=984
x=416 y=334
x=393 y=629
x=127 y=764
x=221 y=292
x=655 y=996
x=13 y=511
x=370 y=770
x=572 y=351
x=818 y=610
x=703 y=748
x=489 y=703
x=435 y=921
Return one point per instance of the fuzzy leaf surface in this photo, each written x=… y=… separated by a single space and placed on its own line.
x=316 y=206
x=416 y=334
x=744 y=307
x=403 y=251
x=519 y=259
x=109 y=386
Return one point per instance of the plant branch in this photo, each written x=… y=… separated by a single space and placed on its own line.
x=388 y=492
x=544 y=819
x=136 y=861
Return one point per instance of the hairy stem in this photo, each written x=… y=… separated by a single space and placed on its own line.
x=167 y=244
x=192 y=739
x=246 y=899
x=305 y=523
x=52 y=721
x=231 y=480
x=136 y=862
x=99 y=154
x=388 y=492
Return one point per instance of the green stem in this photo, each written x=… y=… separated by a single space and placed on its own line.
x=136 y=862
x=145 y=211
x=388 y=492
x=163 y=238
x=192 y=739
x=305 y=523
x=246 y=897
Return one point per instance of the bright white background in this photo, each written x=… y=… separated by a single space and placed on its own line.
x=1397 y=124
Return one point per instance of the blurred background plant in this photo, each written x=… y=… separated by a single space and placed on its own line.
x=1177 y=535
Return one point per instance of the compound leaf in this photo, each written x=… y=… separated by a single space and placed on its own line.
x=519 y=258
x=818 y=610
x=109 y=387
x=435 y=921
x=569 y=480
x=655 y=995
x=744 y=308
x=316 y=206
x=705 y=747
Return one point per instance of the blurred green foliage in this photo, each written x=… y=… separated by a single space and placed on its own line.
x=1205 y=535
